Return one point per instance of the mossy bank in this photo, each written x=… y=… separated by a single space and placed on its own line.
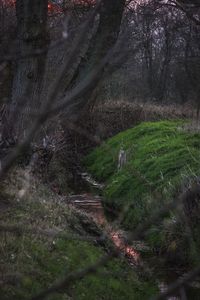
x=160 y=157
x=32 y=261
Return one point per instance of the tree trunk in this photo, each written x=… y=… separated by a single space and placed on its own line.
x=29 y=71
x=164 y=72
x=106 y=35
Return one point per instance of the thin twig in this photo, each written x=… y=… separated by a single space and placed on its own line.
x=51 y=233
x=178 y=284
x=74 y=276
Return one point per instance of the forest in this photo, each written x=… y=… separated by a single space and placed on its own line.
x=99 y=149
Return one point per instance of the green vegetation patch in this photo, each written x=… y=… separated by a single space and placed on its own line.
x=32 y=262
x=159 y=156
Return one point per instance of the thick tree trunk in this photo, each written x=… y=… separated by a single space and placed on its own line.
x=106 y=35
x=108 y=31
x=164 y=72
x=29 y=71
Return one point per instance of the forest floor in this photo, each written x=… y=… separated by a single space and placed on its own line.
x=44 y=238
x=46 y=235
x=91 y=204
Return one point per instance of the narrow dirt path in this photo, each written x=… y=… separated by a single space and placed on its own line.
x=92 y=206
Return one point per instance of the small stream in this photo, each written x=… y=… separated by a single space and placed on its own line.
x=91 y=204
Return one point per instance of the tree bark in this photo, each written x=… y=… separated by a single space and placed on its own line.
x=106 y=35
x=28 y=76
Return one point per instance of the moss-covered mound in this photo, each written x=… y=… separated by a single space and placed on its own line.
x=32 y=261
x=159 y=156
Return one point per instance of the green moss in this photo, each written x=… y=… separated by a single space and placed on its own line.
x=159 y=156
x=42 y=263
x=34 y=261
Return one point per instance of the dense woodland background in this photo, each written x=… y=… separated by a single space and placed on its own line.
x=74 y=76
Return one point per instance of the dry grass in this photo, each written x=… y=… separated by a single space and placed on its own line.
x=106 y=119
x=113 y=117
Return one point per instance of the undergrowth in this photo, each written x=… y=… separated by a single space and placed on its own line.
x=32 y=262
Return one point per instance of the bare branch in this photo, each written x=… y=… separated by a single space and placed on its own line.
x=74 y=276
x=178 y=284
x=51 y=233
